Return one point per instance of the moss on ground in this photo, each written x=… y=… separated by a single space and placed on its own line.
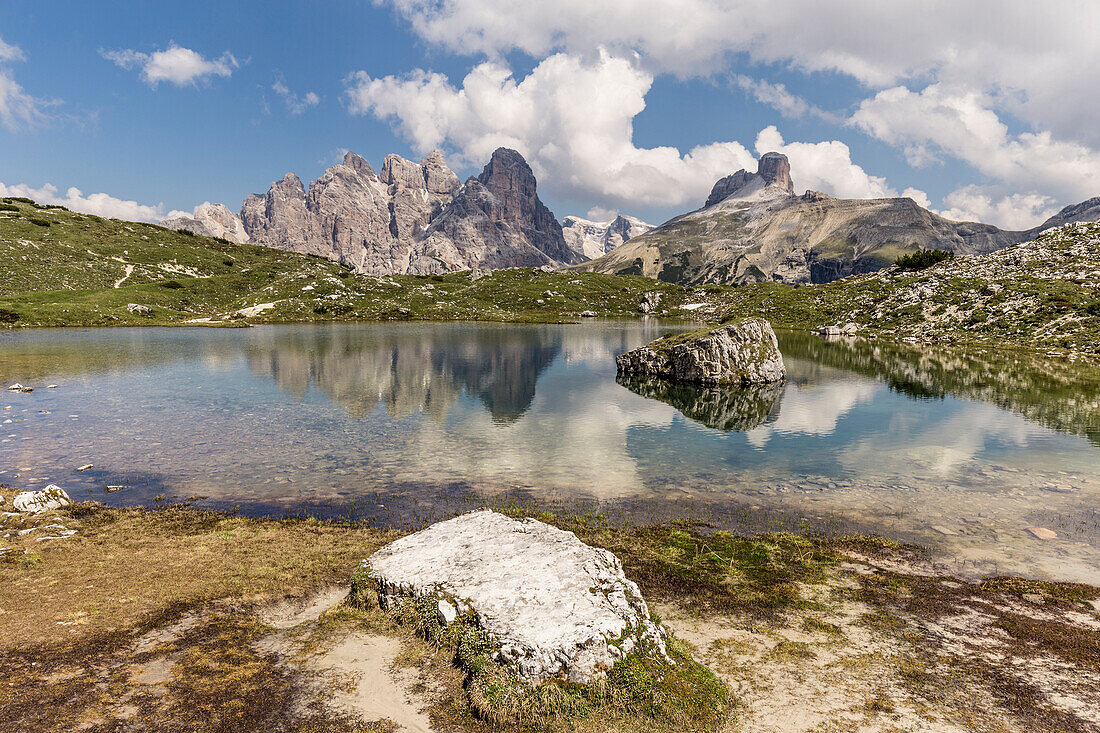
x=88 y=618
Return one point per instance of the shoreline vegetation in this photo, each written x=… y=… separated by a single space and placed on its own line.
x=61 y=268
x=175 y=617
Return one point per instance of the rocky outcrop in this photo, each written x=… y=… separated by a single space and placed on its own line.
x=1086 y=211
x=772 y=178
x=36 y=502
x=411 y=217
x=743 y=352
x=211 y=220
x=496 y=220
x=592 y=239
x=552 y=606
x=753 y=228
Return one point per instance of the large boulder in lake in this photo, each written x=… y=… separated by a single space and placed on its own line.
x=742 y=352
x=553 y=606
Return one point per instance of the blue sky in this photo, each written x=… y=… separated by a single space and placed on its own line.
x=980 y=112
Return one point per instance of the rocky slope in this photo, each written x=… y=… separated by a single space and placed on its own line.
x=410 y=218
x=211 y=220
x=592 y=239
x=753 y=228
x=1042 y=294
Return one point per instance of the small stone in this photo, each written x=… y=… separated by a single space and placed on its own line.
x=1042 y=533
x=588 y=314
x=113 y=489
x=85 y=467
x=139 y=310
x=944 y=530
x=446 y=613
x=51 y=386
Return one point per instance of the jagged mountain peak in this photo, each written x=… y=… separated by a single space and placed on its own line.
x=359 y=165
x=772 y=179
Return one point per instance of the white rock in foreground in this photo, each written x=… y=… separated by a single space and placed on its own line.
x=554 y=606
x=34 y=502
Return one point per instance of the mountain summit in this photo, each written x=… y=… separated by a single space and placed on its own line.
x=772 y=178
x=409 y=217
x=754 y=228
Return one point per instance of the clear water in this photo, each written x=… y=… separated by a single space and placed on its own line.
x=961 y=453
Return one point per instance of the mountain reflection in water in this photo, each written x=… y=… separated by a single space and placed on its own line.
x=957 y=450
x=410 y=370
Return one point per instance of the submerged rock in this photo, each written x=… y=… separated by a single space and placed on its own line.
x=35 y=502
x=743 y=352
x=553 y=606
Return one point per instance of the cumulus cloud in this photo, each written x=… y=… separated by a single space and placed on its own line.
x=980 y=63
x=962 y=124
x=295 y=104
x=1037 y=63
x=1008 y=211
x=824 y=166
x=100 y=204
x=176 y=64
x=572 y=118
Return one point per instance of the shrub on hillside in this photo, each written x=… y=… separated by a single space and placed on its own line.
x=923 y=258
x=170 y=284
x=8 y=207
x=39 y=222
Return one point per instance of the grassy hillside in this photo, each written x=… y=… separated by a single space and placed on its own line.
x=59 y=268
x=1043 y=294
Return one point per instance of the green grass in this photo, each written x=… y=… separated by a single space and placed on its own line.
x=65 y=274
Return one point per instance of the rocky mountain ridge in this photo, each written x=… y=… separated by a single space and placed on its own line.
x=409 y=218
x=592 y=239
x=753 y=228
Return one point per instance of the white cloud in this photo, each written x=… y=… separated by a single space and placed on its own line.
x=295 y=104
x=779 y=98
x=825 y=166
x=99 y=204
x=980 y=63
x=919 y=196
x=1011 y=211
x=963 y=125
x=9 y=52
x=1039 y=63
x=177 y=65
x=19 y=110
x=572 y=118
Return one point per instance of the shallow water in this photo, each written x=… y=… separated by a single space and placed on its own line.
x=958 y=452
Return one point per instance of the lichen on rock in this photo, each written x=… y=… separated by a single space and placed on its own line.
x=551 y=606
x=742 y=352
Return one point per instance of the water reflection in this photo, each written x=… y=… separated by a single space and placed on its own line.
x=960 y=451
x=410 y=369
x=722 y=408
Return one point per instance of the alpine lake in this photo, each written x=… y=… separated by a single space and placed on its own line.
x=966 y=453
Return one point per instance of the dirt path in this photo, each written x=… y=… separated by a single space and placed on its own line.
x=129 y=272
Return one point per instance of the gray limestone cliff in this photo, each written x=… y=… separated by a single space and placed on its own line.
x=412 y=217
